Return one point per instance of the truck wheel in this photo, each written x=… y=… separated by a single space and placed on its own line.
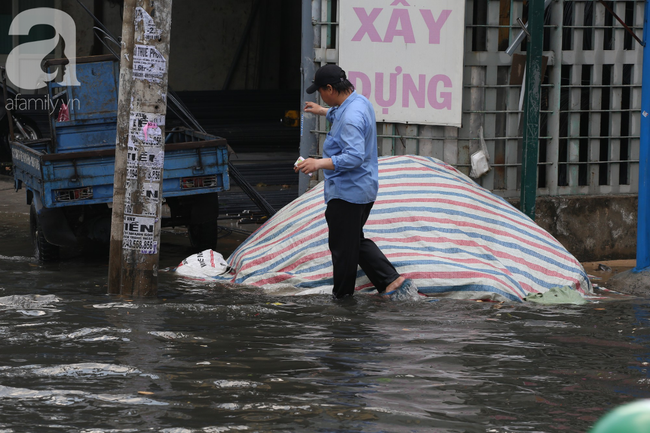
x=43 y=250
x=203 y=236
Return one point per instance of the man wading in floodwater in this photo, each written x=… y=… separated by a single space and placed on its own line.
x=350 y=167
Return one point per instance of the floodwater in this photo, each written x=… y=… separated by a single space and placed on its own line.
x=204 y=358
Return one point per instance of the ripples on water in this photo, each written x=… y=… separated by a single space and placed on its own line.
x=206 y=358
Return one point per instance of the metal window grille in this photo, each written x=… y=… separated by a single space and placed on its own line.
x=591 y=97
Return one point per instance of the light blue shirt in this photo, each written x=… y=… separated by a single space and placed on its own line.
x=352 y=146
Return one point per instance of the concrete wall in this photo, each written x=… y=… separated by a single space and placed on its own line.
x=592 y=228
x=206 y=37
x=83 y=23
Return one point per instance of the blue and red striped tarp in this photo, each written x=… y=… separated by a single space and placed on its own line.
x=452 y=237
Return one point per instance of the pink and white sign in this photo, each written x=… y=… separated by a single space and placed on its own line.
x=406 y=56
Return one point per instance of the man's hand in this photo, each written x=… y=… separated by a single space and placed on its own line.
x=311 y=165
x=312 y=107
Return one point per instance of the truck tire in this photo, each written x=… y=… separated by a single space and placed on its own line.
x=44 y=251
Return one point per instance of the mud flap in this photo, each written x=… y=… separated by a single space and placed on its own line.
x=203 y=229
x=54 y=225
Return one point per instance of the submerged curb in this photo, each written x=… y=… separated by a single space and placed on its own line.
x=631 y=282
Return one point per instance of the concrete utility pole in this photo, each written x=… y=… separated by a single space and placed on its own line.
x=140 y=148
x=530 y=154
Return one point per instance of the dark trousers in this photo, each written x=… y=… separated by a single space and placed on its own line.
x=350 y=248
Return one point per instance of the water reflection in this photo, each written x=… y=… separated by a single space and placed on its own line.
x=204 y=358
x=559 y=367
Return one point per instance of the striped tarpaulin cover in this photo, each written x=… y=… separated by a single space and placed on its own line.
x=452 y=237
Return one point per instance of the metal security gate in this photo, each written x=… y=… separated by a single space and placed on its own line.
x=591 y=96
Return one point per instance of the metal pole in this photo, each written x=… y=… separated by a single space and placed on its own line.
x=643 y=215
x=522 y=34
x=308 y=122
x=531 y=107
x=140 y=150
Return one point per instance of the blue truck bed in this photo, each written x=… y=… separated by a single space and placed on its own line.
x=195 y=163
x=69 y=177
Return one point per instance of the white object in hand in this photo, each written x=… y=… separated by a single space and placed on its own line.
x=298 y=161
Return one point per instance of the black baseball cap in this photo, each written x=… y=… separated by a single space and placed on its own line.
x=327 y=74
